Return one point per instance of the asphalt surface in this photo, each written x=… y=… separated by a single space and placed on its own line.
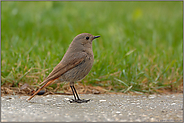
x=101 y=108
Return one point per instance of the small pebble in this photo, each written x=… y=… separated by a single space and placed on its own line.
x=118 y=112
x=102 y=100
x=152 y=96
x=173 y=104
x=41 y=92
x=67 y=99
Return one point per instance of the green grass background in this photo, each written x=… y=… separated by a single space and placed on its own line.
x=140 y=48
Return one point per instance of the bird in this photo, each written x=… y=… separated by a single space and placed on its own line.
x=74 y=66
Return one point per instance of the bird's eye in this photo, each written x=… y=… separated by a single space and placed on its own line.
x=87 y=38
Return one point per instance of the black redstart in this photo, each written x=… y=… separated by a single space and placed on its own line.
x=74 y=66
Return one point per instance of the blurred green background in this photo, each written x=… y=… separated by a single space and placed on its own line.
x=140 y=48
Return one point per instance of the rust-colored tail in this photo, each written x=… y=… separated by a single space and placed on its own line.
x=43 y=86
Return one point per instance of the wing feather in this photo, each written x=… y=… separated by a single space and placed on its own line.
x=65 y=66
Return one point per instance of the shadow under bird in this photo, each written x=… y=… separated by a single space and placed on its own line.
x=74 y=66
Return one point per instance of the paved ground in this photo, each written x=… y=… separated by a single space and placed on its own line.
x=101 y=108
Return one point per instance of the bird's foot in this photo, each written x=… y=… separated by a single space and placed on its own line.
x=79 y=101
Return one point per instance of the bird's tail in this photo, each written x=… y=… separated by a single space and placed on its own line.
x=43 y=86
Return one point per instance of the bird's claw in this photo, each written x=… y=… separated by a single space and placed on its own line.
x=79 y=101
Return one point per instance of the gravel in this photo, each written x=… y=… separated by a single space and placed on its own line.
x=101 y=108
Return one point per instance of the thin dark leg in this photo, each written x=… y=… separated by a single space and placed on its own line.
x=76 y=93
x=73 y=92
x=77 y=100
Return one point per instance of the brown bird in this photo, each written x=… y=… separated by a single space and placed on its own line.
x=74 y=66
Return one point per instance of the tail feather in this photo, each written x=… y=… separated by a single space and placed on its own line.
x=43 y=86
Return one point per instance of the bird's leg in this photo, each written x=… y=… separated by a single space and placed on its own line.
x=76 y=93
x=73 y=92
x=78 y=100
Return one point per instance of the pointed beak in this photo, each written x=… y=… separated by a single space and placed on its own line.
x=96 y=37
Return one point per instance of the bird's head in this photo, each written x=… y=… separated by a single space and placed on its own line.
x=84 y=40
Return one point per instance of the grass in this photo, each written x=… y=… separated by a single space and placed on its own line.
x=140 y=48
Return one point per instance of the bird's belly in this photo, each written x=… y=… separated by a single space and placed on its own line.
x=77 y=73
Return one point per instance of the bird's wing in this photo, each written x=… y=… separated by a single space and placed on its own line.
x=63 y=67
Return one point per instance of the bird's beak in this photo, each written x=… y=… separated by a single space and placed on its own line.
x=96 y=37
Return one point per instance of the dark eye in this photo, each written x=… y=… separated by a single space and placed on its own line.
x=87 y=38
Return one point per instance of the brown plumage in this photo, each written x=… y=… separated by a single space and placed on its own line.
x=74 y=66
